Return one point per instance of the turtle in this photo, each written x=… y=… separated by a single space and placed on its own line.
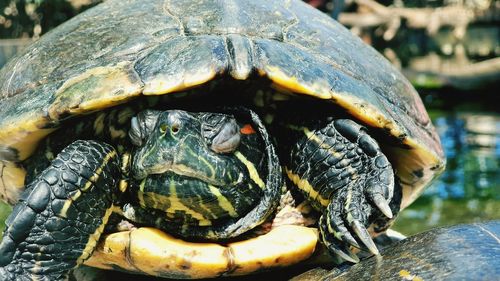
x=444 y=253
x=192 y=120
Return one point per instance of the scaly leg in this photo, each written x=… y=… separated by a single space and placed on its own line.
x=342 y=170
x=61 y=214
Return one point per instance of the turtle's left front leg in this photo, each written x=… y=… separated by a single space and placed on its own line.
x=343 y=172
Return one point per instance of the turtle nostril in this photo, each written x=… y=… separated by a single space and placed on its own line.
x=163 y=128
x=175 y=129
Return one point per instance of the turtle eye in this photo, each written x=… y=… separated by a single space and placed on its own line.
x=163 y=128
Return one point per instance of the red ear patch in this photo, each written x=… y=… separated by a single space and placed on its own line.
x=247 y=130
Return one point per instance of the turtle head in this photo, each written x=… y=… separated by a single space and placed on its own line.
x=194 y=145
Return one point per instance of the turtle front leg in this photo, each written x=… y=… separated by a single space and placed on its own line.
x=342 y=170
x=61 y=214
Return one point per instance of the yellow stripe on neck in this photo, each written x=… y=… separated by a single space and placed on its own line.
x=223 y=202
x=252 y=171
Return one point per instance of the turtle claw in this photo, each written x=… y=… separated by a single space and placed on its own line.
x=336 y=226
x=344 y=223
x=382 y=204
x=335 y=245
x=365 y=237
x=347 y=255
x=350 y=239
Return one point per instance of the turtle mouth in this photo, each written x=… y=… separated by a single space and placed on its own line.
x=191 y=173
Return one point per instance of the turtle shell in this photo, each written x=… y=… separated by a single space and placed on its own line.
x=121 y=50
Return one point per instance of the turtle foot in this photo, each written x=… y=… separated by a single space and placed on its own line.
x=341 y=169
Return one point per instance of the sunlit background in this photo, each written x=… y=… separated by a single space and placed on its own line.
x=449 y=49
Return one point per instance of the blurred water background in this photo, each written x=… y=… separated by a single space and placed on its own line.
x=467 y=117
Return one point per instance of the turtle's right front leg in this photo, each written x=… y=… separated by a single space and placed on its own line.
x=61 y=214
